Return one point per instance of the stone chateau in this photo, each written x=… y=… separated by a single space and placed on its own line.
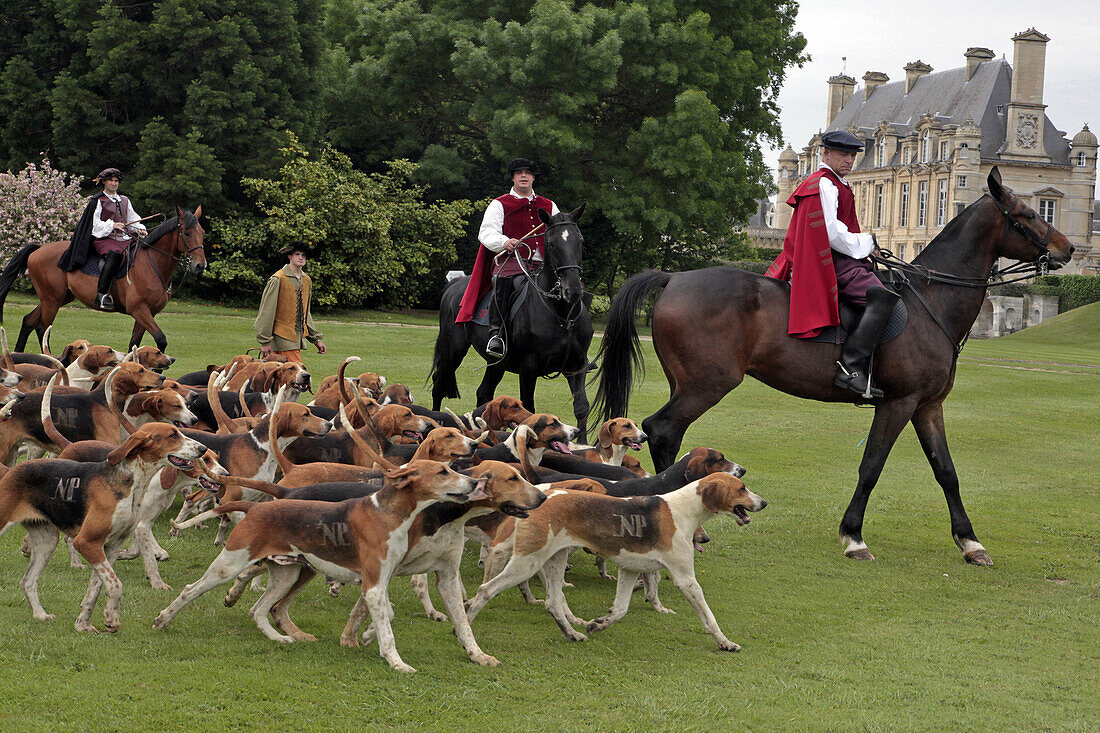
x=932 y=138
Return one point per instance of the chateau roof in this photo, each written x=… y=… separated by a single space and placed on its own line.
x=951 y=98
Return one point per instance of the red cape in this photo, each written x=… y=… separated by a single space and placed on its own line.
x=807 y=262
x=480 y=281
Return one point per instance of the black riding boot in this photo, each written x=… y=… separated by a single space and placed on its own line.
x=107 y=274
x=499 y=307
x=855 y=355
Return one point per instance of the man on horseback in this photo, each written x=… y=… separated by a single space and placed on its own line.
x=507 y=228
x=104 y=226
x=826 y=258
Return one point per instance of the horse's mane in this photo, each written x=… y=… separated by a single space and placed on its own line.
x=953 y=226
x=168 y=225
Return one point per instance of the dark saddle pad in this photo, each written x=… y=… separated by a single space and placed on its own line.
x=481 y=312
x=94 y=263
x=849 y=317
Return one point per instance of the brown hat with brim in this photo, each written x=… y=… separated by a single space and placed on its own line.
x=297 y=247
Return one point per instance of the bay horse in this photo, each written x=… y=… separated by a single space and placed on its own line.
x=549 y=334
x=142 y=292
x=712 y=327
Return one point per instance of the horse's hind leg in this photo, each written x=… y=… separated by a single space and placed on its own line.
x=450 y=350
x=928 y=423
x=890 y=419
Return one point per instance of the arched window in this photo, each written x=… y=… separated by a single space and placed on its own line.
x=925 y=146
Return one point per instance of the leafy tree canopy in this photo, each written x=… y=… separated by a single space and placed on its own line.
x=652 y=111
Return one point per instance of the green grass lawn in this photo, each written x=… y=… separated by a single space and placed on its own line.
x=916 y=640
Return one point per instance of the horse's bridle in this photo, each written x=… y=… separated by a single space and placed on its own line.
x=1025 y=232
x=185 y=257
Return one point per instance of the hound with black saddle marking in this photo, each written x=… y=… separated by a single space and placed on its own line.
x=359 y=539
x=639 y=534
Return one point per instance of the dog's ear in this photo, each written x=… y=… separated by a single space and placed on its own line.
x=604 y=438
x=67 y=355
x=491 y=414
x=713 y=492
x=261 y=381
x=135 y=442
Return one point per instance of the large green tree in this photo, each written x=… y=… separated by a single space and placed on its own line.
x=186 y=96
x=652 y=111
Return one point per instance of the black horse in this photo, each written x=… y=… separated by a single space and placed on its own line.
x=549 y=334
x=712 y=327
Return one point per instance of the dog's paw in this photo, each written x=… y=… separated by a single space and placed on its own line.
x=729 y=646
x=485 y=660
x=159 y=585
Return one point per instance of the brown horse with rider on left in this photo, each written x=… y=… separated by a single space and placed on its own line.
x=142 y=292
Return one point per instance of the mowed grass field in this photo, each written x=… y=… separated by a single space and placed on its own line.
x=916 y=640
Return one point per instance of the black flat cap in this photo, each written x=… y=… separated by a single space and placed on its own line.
x=520 y=164
x=842 y=140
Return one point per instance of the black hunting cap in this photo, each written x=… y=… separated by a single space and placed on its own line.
x=842 y=140
x=293 y=247
x=522 y=164
x=108 y=173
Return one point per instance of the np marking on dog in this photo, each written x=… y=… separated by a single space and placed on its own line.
x=67 y=488
x=68 y=417
x=336 y=534
x=631 y=524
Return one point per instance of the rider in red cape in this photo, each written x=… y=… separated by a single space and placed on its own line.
x=507 y=220
x=102 y=229
x=825 y=258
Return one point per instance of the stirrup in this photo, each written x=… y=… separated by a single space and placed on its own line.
x=105 y=301
x=846 y=379
x=495 y=347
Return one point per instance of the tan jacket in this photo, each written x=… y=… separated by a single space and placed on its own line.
x=276 y=322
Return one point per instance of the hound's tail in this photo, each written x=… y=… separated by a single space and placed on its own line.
x=621 y=352
x=13 y=270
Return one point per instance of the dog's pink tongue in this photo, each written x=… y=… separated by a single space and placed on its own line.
x=697 y=546
x=560 y=446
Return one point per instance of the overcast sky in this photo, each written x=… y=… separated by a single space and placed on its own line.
x=885 y=35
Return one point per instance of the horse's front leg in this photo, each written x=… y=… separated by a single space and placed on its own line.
x=580 y=402
x=136 y=336
x=527 y=381
x=890 y=418
x=489 y=383
x=928 y=422
x=145 y=322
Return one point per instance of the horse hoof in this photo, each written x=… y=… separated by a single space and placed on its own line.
x=978 y=557
x=860 y=553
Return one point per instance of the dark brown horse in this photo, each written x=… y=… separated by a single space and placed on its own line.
x=712 y=327
x=142 y=292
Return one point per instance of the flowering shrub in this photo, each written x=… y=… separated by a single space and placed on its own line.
x=37 y=204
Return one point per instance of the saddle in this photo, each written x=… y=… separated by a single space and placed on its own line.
x=849 y=317
x=481 y=312
x=93 y=265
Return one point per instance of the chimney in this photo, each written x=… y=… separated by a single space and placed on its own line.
x=974 y=57
x=1026 y=117
x=871 y=80
x=841 y=87
x=914 y=71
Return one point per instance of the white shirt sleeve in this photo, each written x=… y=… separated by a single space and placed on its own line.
x=100 y=228
x=491 y=234
x=853 y=244
x=134 y=216
x=554 y=209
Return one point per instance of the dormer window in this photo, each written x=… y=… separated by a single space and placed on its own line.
x=925 y=146
x=882 y=150
x=943 y=150
x=905 y=156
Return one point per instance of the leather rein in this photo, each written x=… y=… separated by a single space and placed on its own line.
x=185 y=257
x=899 y=269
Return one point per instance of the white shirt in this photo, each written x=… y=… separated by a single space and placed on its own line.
x=853 y=244
x=492 y=235
x=101 y=229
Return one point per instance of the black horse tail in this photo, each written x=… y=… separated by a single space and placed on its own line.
x=621 y=351
x=13 y=270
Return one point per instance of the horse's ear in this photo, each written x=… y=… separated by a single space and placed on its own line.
x=198 y=211
x=996 y=190
x=575 y=215
x=545 y=216
x=179 y=213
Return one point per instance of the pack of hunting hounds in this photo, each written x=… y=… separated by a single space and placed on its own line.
x=358 y=486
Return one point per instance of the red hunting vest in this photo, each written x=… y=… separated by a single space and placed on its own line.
x=520 y=217
x=807 y=258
